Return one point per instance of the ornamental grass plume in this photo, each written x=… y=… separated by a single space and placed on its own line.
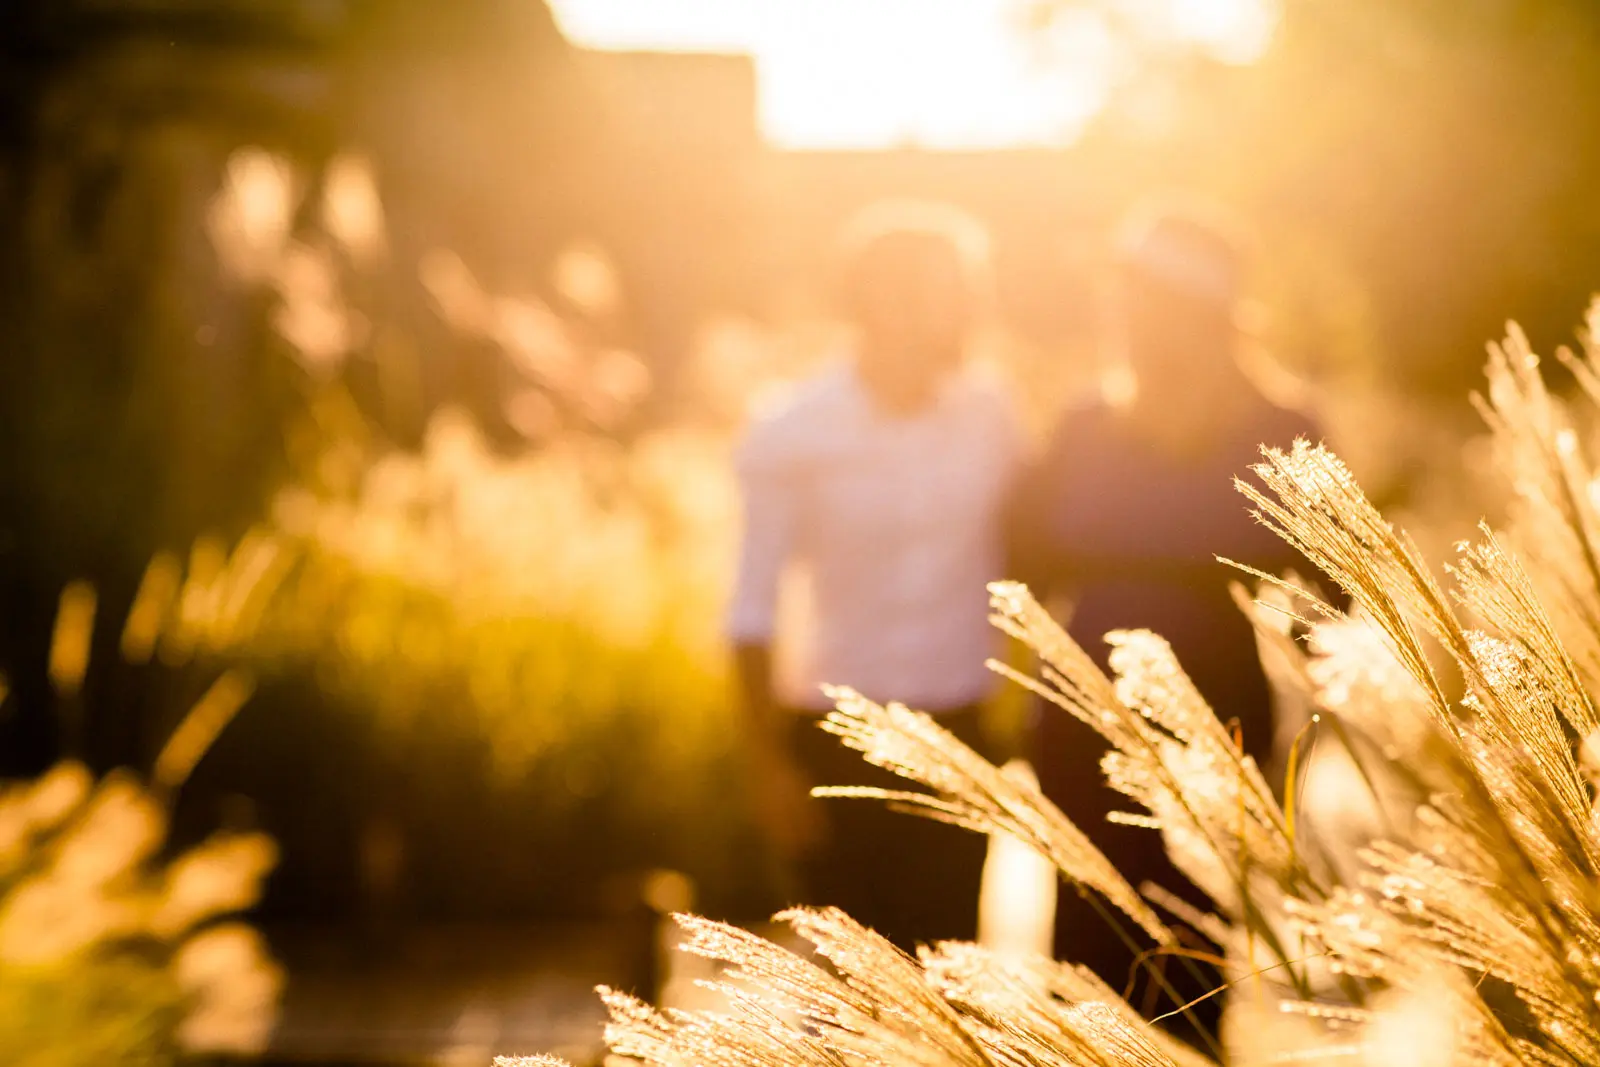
x=1456 y=921
x=110 y=955
x=112 y=949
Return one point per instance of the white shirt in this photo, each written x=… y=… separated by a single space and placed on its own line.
x=892 y=523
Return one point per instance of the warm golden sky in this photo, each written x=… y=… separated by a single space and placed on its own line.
x=938 y=73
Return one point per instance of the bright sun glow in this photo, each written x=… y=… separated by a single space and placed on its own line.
x=934 y=73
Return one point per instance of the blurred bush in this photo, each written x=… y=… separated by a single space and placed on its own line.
x=567 y=593
x=530 y=642
x=109 y=956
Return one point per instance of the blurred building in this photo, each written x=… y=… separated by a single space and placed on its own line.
x=674 y=200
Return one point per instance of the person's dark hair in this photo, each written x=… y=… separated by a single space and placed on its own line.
x=909 y=230
x=1192 y=250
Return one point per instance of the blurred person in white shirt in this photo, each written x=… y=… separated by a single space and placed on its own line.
x=878 y=485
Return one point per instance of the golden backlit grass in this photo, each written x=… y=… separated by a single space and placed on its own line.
x=1460 y=927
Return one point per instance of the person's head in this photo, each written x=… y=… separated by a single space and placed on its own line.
x=912 y=281
x=1178 y=284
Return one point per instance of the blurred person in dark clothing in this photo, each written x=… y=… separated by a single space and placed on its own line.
x=1119 y=523
x=880 y=483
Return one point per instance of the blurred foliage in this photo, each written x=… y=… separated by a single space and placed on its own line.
x=556 y=612
x=109 y=955
x=559 y=597
x=227 y=214
x=496 y=649
x=146 y=387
